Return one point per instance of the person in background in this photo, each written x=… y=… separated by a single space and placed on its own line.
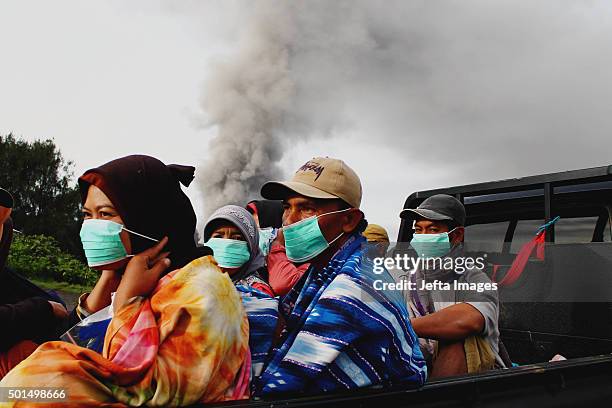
x=231 y=232
x=267 y=213
x=340 y=333
x=282 y=274
x=27 y=317
x=378 y=240
x=462 y=324
x=175 y=338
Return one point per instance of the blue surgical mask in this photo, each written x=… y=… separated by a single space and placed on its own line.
x=431 y=245
x=102 y=242
x=304 y=239
x=266 y=236
x=229 y=253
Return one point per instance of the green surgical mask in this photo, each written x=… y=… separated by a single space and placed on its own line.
x=229 y=253
x=266 y=235
x=431 y=245
x=304 y=239
x=102 y=242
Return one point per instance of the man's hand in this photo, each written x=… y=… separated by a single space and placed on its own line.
x=142 y=274
x=59 y=311
x=280 y=238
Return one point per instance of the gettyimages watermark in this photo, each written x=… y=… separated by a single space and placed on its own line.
x=453 y=269
x=458 y=264
x=552 y=273
x=445 y=273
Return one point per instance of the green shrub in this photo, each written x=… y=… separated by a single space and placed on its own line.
x=40 y=257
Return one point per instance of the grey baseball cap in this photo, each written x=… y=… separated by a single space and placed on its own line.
x=438 y=207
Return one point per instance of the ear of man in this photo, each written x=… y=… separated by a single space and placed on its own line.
x=351 y=220
x=458 y=235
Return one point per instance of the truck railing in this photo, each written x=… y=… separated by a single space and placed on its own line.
x=576 y=382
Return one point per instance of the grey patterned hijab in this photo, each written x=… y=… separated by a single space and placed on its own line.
x=245 y=222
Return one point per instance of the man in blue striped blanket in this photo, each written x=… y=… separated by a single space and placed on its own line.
x=340 y=333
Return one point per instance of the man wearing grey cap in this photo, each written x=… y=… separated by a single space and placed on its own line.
x=340 y=332
x=457 y=324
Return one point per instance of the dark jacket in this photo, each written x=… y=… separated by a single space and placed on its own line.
x=25 y=313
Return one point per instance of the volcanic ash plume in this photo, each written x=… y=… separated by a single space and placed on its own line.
x=491 y=89
x=247 y=99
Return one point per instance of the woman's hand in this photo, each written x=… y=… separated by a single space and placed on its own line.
x=142 y=274
x=100 y=296
x=59 y=311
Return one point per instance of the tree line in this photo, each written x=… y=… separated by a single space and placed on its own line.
x=46 y=211
x=46 y=195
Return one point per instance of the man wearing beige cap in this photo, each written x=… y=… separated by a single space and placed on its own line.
x=340 y=332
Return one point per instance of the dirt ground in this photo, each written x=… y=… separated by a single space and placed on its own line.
x=69 y=298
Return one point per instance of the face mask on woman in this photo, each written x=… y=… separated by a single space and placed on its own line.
x=102 y=242
x=431 y=245
x=304 y=239
x=229 y=253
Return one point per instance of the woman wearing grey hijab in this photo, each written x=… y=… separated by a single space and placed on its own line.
x=231 y=232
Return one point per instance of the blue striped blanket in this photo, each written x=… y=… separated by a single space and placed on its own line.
x=341 y=333
x=262 y=312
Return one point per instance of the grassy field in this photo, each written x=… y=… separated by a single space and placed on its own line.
x=62 y=286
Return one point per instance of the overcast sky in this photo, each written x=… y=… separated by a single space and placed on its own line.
x=412 y=94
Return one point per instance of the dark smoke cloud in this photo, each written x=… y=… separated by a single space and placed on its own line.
x=248 y=98
x=471 y=90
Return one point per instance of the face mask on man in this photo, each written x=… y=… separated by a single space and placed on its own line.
x=102 y=242
x=431 y=245
x=304 y=239
x=229 y=253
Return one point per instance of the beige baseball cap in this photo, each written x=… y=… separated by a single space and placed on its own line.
x=375 y=233
x=319 y=177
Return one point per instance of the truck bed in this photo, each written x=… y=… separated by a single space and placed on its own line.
x=578 y=382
